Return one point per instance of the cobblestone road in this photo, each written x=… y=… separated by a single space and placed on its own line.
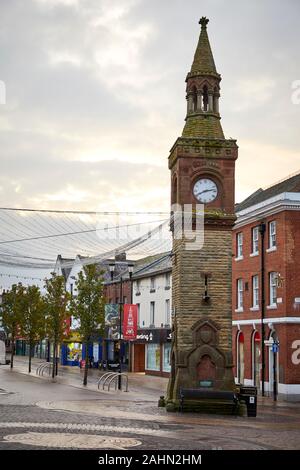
x=38 y=414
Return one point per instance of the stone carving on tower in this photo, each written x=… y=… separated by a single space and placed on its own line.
x=202 y=165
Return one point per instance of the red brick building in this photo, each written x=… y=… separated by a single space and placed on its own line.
x=266 y=290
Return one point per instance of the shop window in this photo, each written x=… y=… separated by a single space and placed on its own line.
x=153 y=357
x=167 y=357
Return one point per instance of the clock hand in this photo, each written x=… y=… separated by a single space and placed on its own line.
x=205 y=191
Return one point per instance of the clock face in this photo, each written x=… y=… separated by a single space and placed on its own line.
x=205 y=190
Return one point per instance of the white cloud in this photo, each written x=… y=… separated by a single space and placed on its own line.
x=254 y=92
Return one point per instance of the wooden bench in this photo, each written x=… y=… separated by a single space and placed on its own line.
x=197 y=394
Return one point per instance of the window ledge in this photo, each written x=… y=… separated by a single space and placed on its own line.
x=137 y=293
x=254 y=254
x=167 y=287
x=152 y=290
x=273 y=248
x=239 y=310
x=254 y=309
x=272 y=307
x=239 y=258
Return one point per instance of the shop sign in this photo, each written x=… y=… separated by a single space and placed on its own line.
x=155 y=335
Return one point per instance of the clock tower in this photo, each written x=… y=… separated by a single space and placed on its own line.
x=202 y=165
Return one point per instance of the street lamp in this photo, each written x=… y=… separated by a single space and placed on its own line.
x=121 y=303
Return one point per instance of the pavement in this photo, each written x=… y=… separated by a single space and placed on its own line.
x=37 y=413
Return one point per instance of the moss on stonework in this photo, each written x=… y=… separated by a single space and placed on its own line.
x=203 y=58
x=203 y=126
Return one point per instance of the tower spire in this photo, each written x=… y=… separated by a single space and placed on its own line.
x=203 y=59
x=203 y=92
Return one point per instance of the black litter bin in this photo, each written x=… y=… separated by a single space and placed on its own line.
x=248 y=394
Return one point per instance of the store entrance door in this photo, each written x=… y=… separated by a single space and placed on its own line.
x=139 y=358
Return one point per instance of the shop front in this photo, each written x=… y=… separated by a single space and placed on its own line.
x=73 y=351
x=150 y=352
x=40 y=349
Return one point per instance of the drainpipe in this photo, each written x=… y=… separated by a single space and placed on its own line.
x=262 y=231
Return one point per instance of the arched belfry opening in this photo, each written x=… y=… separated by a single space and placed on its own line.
x=205 y=98
x=194 y=96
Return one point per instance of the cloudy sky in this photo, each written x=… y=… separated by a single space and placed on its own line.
x=95 y=96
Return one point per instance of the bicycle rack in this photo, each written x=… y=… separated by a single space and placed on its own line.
x=109 y=377
x=104 y=376
x=39 y=367
x=116 y=376
x=42 y=367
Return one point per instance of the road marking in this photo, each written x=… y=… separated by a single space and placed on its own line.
x=69 y=440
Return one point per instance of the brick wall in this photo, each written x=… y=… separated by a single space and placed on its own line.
x=286 y=261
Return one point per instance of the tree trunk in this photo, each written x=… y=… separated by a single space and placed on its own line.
x=86 y=367
x=12 y=352
x=48 y=351
x=29 y=361
x=54 y=360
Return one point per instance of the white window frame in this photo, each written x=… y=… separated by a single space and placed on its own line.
x=240 y=294
x=138 y=307
x=272 y=234
x=152 y=313
x=152 y=283
x=167 y=312
x=239 y=245
x=255 y=240
x=255 y=291
x=137 y=286
x=168 y=280
x=273 y=276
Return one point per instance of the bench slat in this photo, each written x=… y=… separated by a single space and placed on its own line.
x=207 y=394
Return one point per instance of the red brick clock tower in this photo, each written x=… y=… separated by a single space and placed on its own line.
x=202 y=164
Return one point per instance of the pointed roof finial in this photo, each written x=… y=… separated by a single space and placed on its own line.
x=203 y=59
x=203 y=21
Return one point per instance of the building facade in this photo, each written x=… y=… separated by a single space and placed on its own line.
x=152 y=293
x=266 y=290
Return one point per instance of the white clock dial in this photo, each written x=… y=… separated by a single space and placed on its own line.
x=205 y=190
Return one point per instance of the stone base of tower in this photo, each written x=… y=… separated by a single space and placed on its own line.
x=205 y=369
x=201 y=357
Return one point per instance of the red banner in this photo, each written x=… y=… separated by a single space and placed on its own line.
x=130 y=322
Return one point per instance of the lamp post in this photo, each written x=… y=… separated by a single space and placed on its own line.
x=121 y=303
